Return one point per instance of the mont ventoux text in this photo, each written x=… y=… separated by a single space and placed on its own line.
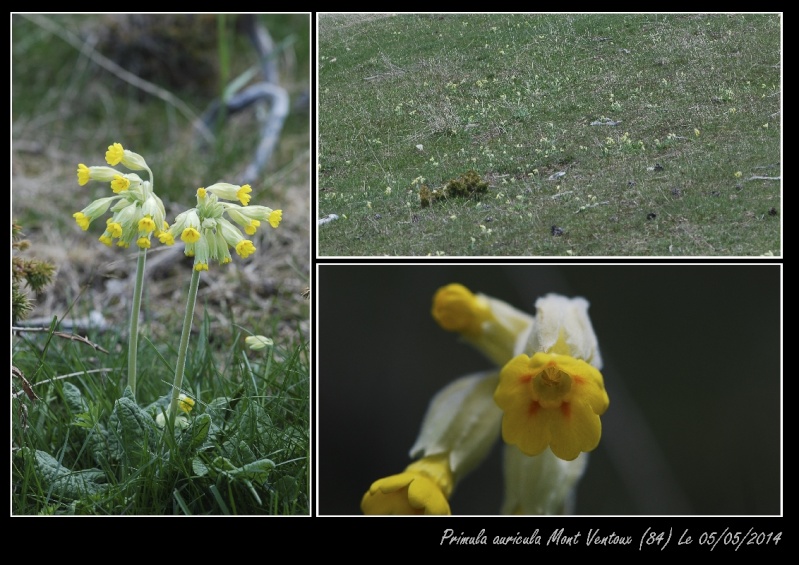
x=558 y=537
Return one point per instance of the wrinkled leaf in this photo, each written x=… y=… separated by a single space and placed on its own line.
x=63 y=482
x=257 y=471
x=74 y=398
x=105 y=446
x=200 y=469
x=130 y=426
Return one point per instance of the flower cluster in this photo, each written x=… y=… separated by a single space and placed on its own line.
x=137 y=212
x=207 y=234
x=544 y=400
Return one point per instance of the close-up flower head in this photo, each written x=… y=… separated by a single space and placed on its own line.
x=544 y=399
x=138 y=212
x=207 y=229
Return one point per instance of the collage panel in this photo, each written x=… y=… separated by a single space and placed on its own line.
x=161 y=175
x=596 y=389
x=549 y=135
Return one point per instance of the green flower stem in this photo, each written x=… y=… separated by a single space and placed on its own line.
x=133 y=334
x=184 y=345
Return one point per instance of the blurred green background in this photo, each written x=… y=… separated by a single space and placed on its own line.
x=692 y=366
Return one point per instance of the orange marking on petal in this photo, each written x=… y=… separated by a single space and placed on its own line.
x=525 y=378
x=566 y=409
x=534 y=407
x=578 y=379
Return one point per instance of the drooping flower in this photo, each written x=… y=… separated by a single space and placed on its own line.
x=117 y=154
x=546 y=399
x=185 y=403
x=209 y=235
x=120 y=184
x=423 y=488
x=258 y=342
x=229 y=191
x=490 y=325
x=137 y=210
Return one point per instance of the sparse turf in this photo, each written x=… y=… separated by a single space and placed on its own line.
x=633 y=135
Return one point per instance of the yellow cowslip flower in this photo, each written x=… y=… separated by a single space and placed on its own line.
x=246 y=217
x=114 y=154
x=146 y=224
x=457 y=309
x=117 y=154
x=275 y=217
x=250 y=229
x=102 y=174
x=143 y=242
x=490 y=325
x=136 y=209
x=120 y=184
x=208 y=234
x=243 y=194
x=229 y=191
x=245 y=248
x=185 y=403
x=92 y=212
x=82 y=220
x=83 y=174
x=544 y=400
x=114 y=229
x=423 y=488
x=190 y=235
x=551 y=401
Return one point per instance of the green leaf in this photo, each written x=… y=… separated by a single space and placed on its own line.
x=103 y=446
x=200 y=469
x=254 y=422
x=239 y=82
x=257 y=471
x=131 y=427
x=195 y=435
x=74 y=398
x=63 y=482
x=223 y=464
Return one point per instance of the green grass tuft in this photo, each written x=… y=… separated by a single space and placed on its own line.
x=85 y=447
